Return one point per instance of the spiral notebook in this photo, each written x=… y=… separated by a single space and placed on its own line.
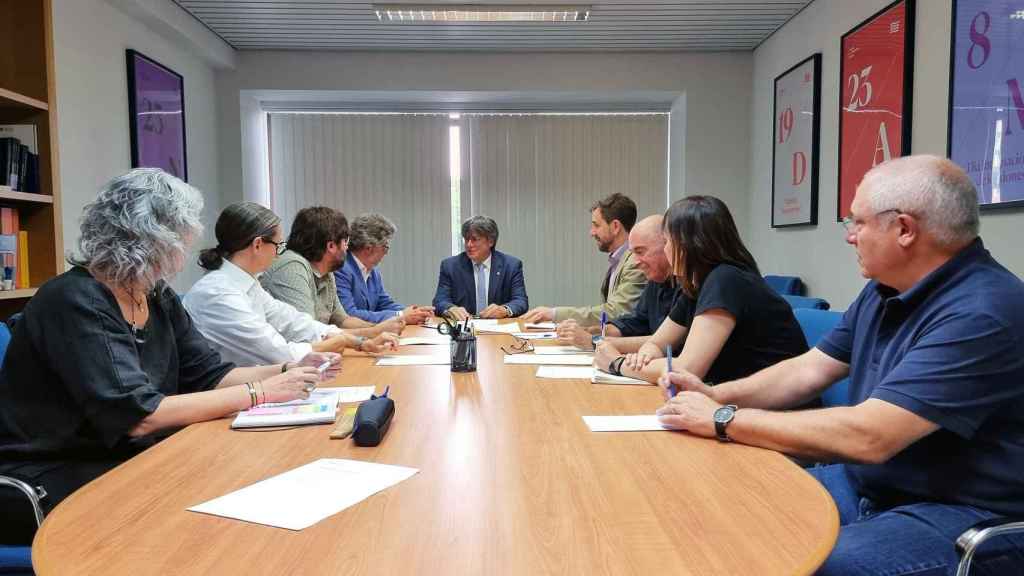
x=319 y=408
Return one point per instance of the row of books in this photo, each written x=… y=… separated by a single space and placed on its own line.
x=19 y=157
x=13 y=249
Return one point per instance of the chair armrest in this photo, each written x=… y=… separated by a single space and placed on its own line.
x=972 y=538
x=33 y=494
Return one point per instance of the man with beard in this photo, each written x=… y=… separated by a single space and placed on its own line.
x=303 y=275
x=610 y=223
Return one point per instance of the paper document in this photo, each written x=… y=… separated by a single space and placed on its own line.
x=559 y=350
x=319 y=408
x=302 y=497
x=354 y=393
x=535 y=335
x=539 y=325
x=624 y=423
x=602 y=377
x=414 y=360
x=510 y=328
x=482 y=322
x=425 y=341
x=554 y=359
x=566 y=372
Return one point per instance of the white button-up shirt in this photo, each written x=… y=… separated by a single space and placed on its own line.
x=245 y=324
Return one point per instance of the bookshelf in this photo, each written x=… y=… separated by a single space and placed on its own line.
x=28 y=96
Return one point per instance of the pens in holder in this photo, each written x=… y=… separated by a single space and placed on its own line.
x=668 y=364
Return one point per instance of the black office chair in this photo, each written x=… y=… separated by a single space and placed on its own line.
x=972 y=538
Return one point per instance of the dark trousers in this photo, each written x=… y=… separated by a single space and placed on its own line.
x=913 y=539
x=59 y=479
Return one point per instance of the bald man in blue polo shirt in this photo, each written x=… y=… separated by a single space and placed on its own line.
x=932 y=441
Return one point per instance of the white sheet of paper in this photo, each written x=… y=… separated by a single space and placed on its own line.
x=542 y=350
x=536 y=335
x=539 y=326
x=303 y=496
x=510 y=328
x=602 y=377
x=565 y=372
x=349 y=394
x=553 y=359
x=481 y=322
x=414 y=360
x=641 y=422
x=438 y=340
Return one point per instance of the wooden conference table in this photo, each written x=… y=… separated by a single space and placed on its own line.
x=511 y=481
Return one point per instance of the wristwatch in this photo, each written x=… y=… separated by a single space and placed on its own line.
x=508 y=309
x=359 y=342
x=596 y=339
x=723 y=416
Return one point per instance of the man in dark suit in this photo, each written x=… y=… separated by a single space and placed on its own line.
x=481 y=281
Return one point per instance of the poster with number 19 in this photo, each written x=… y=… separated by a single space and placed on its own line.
x=876 y=72
x=986 y=104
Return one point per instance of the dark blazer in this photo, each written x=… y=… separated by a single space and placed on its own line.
x=456 y=285
x=367 y=300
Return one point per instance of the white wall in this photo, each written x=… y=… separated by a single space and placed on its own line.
x=90 y=39
x=819 y=254
x=709 y=137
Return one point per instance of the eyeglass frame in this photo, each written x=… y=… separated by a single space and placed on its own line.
x=279 y=247
x=521 y=346
x=852 y=227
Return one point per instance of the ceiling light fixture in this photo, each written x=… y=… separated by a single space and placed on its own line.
x=470 y=13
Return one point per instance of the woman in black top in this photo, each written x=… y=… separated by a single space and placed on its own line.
x=105 y=358
x=729 y=321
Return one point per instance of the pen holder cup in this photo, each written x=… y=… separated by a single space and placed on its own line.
x=464 y=354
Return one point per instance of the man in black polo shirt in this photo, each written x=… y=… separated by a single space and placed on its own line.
x=629 y=331
x=933 y=439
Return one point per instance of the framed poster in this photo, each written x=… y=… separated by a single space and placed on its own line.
x=156 y=112
x=986 y=106
x=876 y=74
x=797 y=118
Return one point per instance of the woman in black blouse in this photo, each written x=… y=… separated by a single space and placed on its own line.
x=729 y=321
x=105 y=359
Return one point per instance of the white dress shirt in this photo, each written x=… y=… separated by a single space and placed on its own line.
x=487 y=281
x=362 y=269
x=245 y=324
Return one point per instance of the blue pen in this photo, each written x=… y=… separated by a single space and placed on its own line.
x=386 y=390
x=604 y=322
x=668 y=359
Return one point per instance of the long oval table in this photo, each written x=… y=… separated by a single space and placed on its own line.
x=511 y=481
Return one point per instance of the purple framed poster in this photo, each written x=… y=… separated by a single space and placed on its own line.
x=986 y=105
x=156 y=108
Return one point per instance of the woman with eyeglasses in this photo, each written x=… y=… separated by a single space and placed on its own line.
x=238 y=317
x=104 y=361
x=727 y=322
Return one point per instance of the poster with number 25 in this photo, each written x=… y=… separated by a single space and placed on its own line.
x=875 y=96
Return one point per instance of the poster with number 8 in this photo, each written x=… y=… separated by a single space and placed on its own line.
x=797 y=117
x=876 y=75
x=986 y=87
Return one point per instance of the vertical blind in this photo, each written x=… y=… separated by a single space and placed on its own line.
x=393 y=164
x=538 y=175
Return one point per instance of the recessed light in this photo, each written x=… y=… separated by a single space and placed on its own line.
x=470 y=13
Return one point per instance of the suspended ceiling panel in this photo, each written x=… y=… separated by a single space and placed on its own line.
x=623 y=25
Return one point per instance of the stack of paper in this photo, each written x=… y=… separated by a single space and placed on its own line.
x=495 y=328
x=637 y=423
x=539 y=325
x=414 y=360
x=302 y=497
x=535 y=335
x=586 y=373
x=552 y=359
x=319 y=408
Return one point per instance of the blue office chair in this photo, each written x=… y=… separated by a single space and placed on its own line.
x=786 y=284
x=815 y=323
x=806 y=302
x=18 y=559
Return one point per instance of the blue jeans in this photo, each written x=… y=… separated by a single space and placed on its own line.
x=914 y=539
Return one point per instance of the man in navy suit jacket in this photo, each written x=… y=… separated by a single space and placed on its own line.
x=481 y=281
x=360 y=287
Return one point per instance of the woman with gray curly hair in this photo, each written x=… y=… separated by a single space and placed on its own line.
x=105 y=356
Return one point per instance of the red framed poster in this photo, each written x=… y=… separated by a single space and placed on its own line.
x=876 y=75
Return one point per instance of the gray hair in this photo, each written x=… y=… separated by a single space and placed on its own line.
x=135 y=233
x=481 y=226
x=369 y=230
x=931 y=188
